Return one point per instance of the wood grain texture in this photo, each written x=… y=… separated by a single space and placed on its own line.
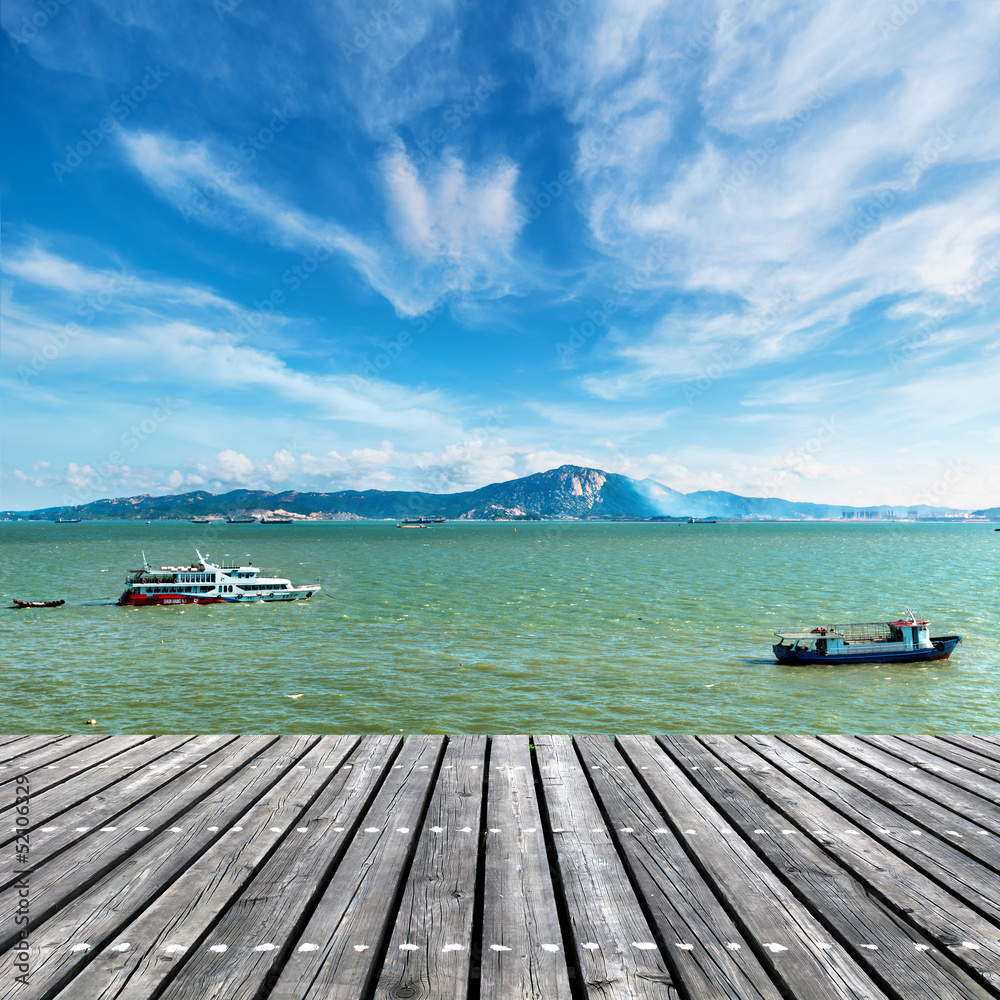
x=712 y=959
x=19 y=747
x=373 y=868
x=954 y=798
x=262 y=924
x=520 y=914
x=60 y=752
x=892 y=787
x=430 y=946
x=602 y=907
x=957 y=753
x=788 y=937
x=353 y=915
x=925 y=757
x=74 y=857
x=248 y=826
x=971 y=881
x=920 y=911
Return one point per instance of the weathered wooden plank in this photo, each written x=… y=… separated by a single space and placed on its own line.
x=972 y=881
x=930 y=798
x=242 y=954
x=928 y=817
x=21 y=746
x=430 y=946
x=792 y=943
x=875 y=935
x=10 y=738
x=927 y=760
x=337 y=955
x=64 y=760
x=50 y=756
x=988 y=752
x=969 y=939
x=598 y=896
x=713 y=960
x=176 y=888
x=103 y=807
x=958 y=755
x=76 y=857
x=520 y=915
x=135 y=769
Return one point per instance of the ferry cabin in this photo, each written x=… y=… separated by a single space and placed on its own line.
x=207 y=583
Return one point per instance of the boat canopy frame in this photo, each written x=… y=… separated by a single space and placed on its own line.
x=855 y=632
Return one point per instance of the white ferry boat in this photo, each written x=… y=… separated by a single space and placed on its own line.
x=207 y=583
x=906 y=640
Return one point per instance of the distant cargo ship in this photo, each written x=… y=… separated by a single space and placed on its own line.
x=69 y=520
x=241 y=520
x=277 y=520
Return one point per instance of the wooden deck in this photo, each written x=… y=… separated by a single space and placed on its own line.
x=370 y=868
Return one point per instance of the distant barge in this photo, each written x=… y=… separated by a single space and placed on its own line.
x=907 y=640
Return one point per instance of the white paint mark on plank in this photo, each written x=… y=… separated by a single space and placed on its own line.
x=453 y=947
x=266 y=946
x=122 y=946
x=219 y=948
x=499 y=947
x=82 y=946
x=644 y=945
x=409 y=947
x=308 y=946
x=550 y=947
x=773 y=946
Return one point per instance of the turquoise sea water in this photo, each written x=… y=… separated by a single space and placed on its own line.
x=478 y=627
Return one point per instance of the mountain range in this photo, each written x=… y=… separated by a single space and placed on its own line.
x=571 y=491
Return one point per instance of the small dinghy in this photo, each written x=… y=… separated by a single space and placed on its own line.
x=37 y=604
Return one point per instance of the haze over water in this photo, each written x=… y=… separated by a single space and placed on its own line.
x=478 y=627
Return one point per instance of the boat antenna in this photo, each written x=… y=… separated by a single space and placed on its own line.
x=912 y=616
x=145 y=565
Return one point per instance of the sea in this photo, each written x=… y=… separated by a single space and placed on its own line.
x=498 y=627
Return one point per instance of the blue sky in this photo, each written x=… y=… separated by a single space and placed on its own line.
x=427 y=245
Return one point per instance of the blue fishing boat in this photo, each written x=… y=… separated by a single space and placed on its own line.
x=907 y=640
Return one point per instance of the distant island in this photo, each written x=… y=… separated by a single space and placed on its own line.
x=569 y=492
